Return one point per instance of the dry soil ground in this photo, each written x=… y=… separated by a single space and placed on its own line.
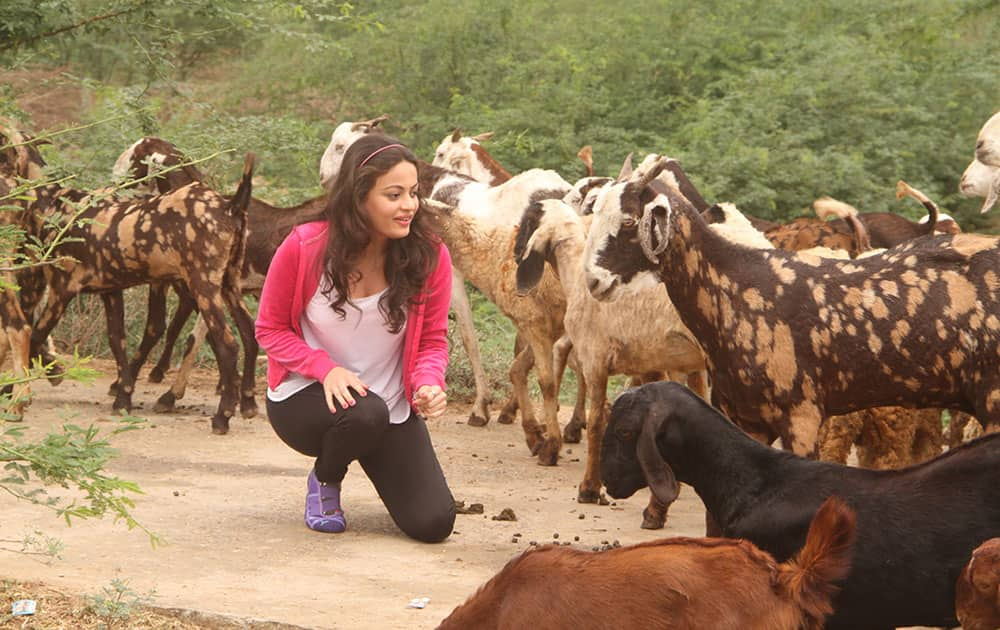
x=230 y=510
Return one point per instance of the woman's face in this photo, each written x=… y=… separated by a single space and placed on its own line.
x=392 y=202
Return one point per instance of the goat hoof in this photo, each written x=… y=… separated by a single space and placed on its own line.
x=548 y=454
x=572 y=433
x=653 y=522
x=155 y=375
x=505 y=418
x=248 y=408
x=220 y=426
x=587 y=495
x=165 y=403
x=476 y=420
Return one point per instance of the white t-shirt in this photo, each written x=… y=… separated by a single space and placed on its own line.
x=359 y=342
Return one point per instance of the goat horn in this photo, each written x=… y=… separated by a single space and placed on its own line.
x=626 y=171
x=653 y=172
x=587 y=155
x=486 y=135
x=456 y=135
x=659 y=476
x=371 y=124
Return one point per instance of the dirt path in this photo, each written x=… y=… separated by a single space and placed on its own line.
x=230 y=508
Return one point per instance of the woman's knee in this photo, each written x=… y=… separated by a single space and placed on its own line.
x=369 y=413
x=431 y=526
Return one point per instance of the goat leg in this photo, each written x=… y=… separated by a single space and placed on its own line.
x=509 y=409
x=480 y=415
x=114 y=313
x=156 y=321
x=185 y=307
x=245 y=326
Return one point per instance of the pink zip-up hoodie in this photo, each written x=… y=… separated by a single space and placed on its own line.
x=292 y=280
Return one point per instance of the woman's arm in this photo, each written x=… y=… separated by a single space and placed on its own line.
x=432 y=351
x=275 y=331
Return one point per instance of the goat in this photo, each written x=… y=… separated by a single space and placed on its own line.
x=883 y=229
x=20 y=161
x=464 y=154
x=980 y=180
x=193 y=236
x=915 y=527
x=267 y=226
x=988 y=142
x=476 y=222
x=467 y=156
x=603 y=335
x=977 y=591
x=673 y=583
x=791 y=339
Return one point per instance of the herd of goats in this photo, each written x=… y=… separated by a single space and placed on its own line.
x=844 y=331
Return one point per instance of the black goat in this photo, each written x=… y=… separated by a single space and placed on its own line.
x=916 y=527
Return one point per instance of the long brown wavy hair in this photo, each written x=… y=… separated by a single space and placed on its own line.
x=409 y=260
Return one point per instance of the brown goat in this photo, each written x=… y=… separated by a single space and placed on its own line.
x=977 y=590
x=675 y=583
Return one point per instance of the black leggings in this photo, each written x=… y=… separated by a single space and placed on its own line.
x=398 y=458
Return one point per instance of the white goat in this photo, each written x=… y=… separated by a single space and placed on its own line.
x=988 y=142
x=981 y=180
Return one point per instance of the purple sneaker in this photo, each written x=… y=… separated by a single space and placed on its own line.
x=323 y=513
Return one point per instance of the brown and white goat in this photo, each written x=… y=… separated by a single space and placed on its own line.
x=192 y=236
x=465 y=154
x=673 y=583
x=792 y=339
x=977 y=590
x=604 y=337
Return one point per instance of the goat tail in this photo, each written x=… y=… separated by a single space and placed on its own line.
x=810 y=577
x=238 y=206
x=827 y=207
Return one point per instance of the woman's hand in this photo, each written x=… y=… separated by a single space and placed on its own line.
x=335 y=387
x=430 y=401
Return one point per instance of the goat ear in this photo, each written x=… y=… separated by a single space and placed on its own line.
x=626 y=171
x=659 y=476
x=483 y=137
x=714 y=214
x=993 y=195
x=456 y=135
x=529 y=271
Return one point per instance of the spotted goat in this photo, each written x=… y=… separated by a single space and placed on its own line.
x=791 y=338
x=267 y=226
x=193 y=236
x=20 y=163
